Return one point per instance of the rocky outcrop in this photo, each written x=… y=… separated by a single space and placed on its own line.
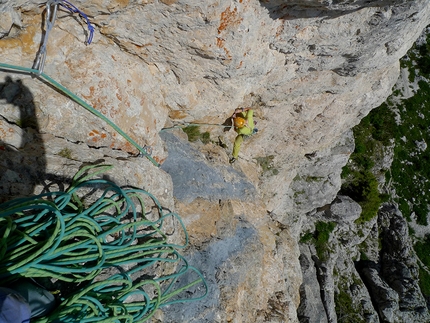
x=205 y=181
x=311 y=307
x=381 y=288
x=334 y=277
x=310 y=70
x=394 y=279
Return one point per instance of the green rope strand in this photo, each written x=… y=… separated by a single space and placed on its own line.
x=187 y=124
x=78 y=100
x=55 y=235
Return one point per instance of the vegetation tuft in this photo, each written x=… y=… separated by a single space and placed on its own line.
x=346 y=310
x=371 y=136
x=27 y=122
x=65 y=153
x=194 y=134
x=422 y=249
x=403 y=124
x=320 y=238
x=322 y=235
x=410 y=170
x=344 y=307
x=266 y=164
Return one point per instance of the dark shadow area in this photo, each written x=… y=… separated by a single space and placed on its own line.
x=369 y=272
x=299 y=9
x=228 y=124
x=22 y=152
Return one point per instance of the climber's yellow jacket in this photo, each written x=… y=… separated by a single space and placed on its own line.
x=246 y=130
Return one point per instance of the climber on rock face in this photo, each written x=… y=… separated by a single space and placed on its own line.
x=243 y=121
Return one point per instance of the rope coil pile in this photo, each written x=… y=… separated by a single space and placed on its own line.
x=120 y=236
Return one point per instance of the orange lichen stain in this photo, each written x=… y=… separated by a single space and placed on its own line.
x=91 y=93
x=25 y=40
x=128 y=147
x=177 y=114
x=229 y=18
x=159 y=160
x=220 y=42
x=114 y=5
x=142 y=101
x=96 y=135
x=280 y=29
x=227 y=53
x=2 y=133
x=168 y=2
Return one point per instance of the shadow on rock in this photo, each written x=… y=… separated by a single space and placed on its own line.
x=299 y=9
x=22 y=151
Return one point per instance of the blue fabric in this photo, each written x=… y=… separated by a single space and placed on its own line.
x=13 y=307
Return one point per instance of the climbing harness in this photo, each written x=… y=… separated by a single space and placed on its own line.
x=121 y=237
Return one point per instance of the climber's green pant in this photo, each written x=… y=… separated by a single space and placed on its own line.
x=237 y=143
x=242 y=132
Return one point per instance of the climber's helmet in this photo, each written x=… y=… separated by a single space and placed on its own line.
x=239 y=122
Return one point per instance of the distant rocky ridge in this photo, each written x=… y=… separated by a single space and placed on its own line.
x=310 y=69
x=383 y=287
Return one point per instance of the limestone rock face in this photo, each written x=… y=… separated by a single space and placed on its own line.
x=205 y=181
x=309 y=69
x=311 y=305
x=399 y=265
x=393 y=280
x=375 y=288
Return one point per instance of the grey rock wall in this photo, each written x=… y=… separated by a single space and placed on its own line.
x=381 y=288
x=310 y=69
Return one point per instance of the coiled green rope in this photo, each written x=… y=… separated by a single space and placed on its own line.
x=119 y=236
x=78 y=100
